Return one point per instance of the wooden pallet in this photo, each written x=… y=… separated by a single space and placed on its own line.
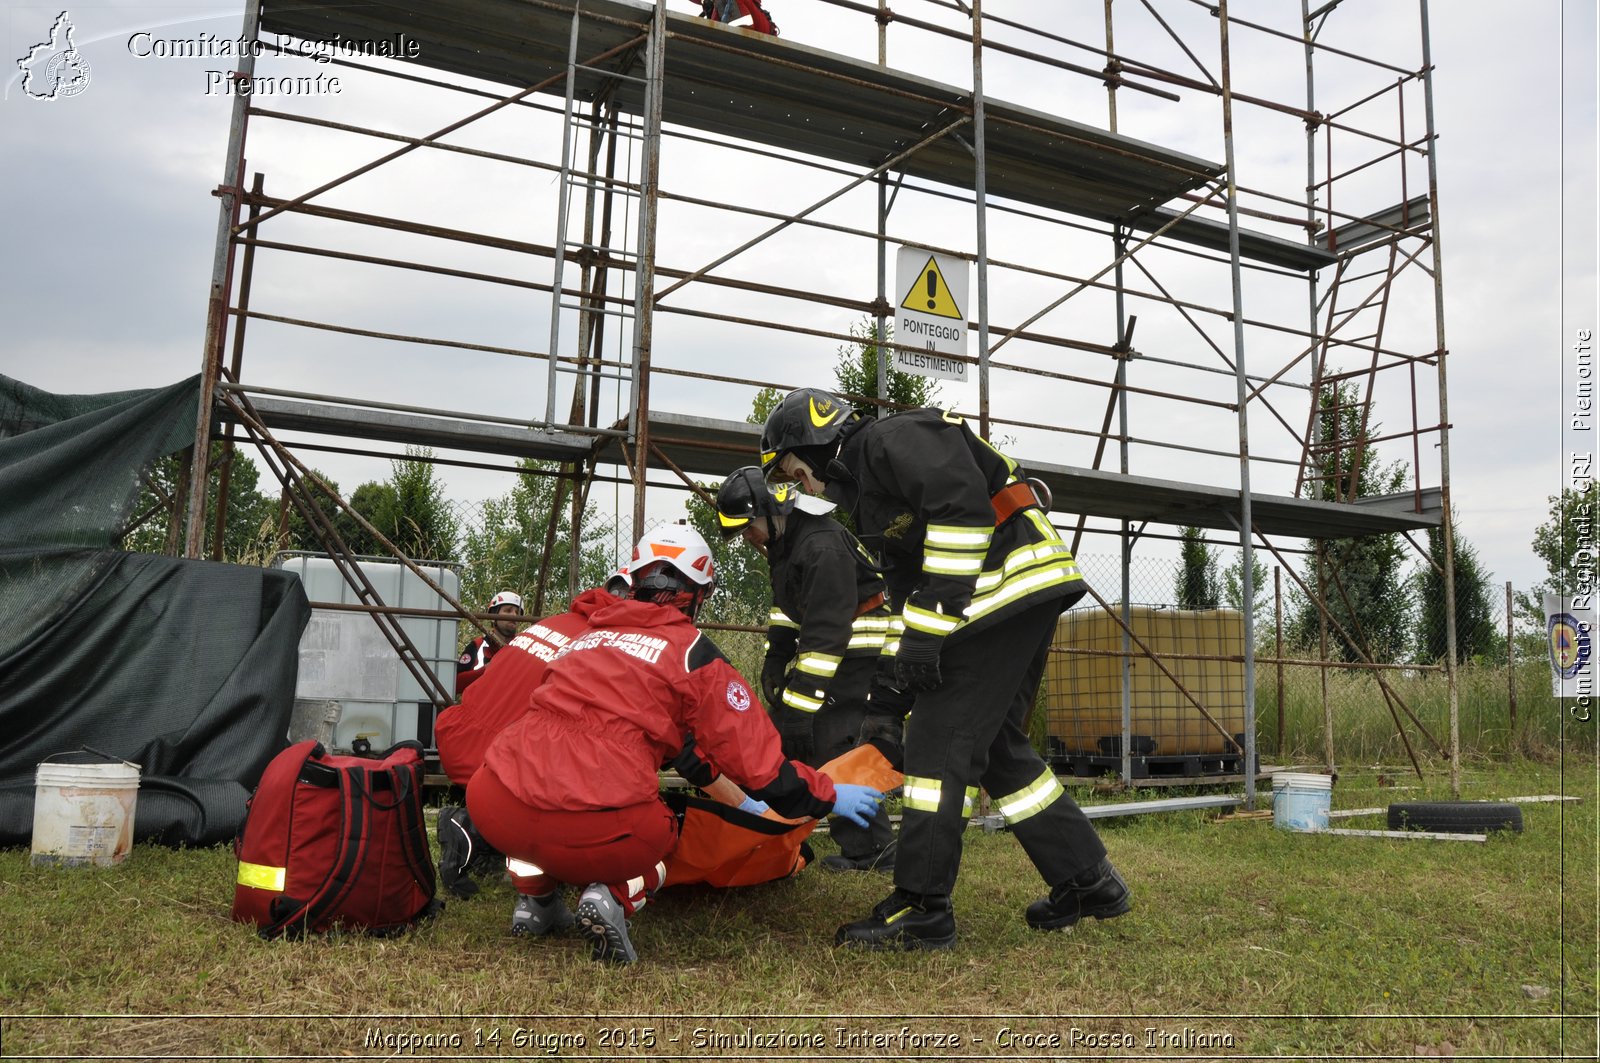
x=1173 y=769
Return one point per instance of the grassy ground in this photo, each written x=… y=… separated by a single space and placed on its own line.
x=1364 y=728
x=1246 y=942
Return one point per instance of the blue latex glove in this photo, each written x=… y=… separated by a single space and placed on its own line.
x=752 y=806
x=858 y=804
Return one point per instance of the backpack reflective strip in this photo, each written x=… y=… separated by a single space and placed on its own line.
x=262 y=877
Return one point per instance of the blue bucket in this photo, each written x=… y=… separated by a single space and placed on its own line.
x=1300 y=801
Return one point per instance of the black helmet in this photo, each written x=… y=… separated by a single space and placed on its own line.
x=745 y=495
x=808 y=420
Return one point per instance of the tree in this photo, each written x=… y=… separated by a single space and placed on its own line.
x=766 y=401
x=856 y=372
x=505 y=549
x=1366 y=571
x=425 y=525
x=1233 y=585
x=1196 y=585
x=1568 y=529
x=247 y=537
x=1476 y=632
x=744 y=593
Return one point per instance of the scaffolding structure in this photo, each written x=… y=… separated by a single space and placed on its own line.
x=720 y=218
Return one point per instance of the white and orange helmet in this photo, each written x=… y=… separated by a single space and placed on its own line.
x=672 y=565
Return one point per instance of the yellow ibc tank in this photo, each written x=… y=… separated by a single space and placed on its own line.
x=1084 y=691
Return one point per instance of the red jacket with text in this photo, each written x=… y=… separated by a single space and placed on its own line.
x=628 y=695
x=498 y=696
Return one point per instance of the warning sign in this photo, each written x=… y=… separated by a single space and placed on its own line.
x=930 y=293
x=931 y=313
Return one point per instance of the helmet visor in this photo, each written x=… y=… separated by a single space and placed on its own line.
x=731 y=525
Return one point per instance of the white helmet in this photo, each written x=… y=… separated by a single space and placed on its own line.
x=672 y=565
x=619 y=583
x=505 y=598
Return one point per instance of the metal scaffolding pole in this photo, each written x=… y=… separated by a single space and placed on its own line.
x=981 y=189
x=228 y=196
x=644 y=295
x=1447 y=518
x=1246 y=524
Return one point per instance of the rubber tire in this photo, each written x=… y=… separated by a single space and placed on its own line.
x=1455 y=817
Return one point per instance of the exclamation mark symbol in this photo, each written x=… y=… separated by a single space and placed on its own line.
x=933 y=288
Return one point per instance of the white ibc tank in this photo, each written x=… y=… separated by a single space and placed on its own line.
x=344 y=657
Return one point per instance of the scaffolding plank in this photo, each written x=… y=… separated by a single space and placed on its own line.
x=777 y=92
x=710 y=448
x=412 y=429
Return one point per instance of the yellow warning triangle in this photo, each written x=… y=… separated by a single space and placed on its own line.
x=929 y=294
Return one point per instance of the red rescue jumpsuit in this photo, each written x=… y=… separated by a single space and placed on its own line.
x=573 y=785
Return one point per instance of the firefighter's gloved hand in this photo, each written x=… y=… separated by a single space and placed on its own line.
x=774 y=670
x=916 y=666
x=794 y=728
x=858 y=804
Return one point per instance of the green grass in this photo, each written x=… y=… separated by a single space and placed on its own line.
x=1364 y=727
x=1290 y=944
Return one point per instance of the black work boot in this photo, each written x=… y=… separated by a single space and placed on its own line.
x=903 y=921
x=1099 y=892
x=463 y=853
x=881 y=861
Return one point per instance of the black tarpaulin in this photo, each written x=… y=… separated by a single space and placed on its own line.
x=186 y=668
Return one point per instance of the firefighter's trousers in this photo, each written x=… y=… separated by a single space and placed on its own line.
x=969 y=733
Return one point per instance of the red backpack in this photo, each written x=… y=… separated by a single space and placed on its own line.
x=335 y=841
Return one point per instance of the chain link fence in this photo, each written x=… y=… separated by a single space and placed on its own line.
x=1313 y=705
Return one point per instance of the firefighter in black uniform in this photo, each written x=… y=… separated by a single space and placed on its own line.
x=977 y=576
x=825 y=636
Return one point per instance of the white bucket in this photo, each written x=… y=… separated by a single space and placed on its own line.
x=83 y=813
x=1300 y=800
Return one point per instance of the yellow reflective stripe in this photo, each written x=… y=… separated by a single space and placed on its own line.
x=795 y=700
x=870 y=622
x=969 y=801
x=777 y=618
x=951 y=566
x=731 y=522
x=891 y=643
x=819 y=664
x=1018 y=561
x=1048 y=577
x=866 y=642
x=901 y=914
x=262 y=877
x=920 y=619
x=1031 y=799
x=920 y=794
x=958 y=537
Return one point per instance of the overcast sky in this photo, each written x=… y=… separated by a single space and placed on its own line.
x=109 y=227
